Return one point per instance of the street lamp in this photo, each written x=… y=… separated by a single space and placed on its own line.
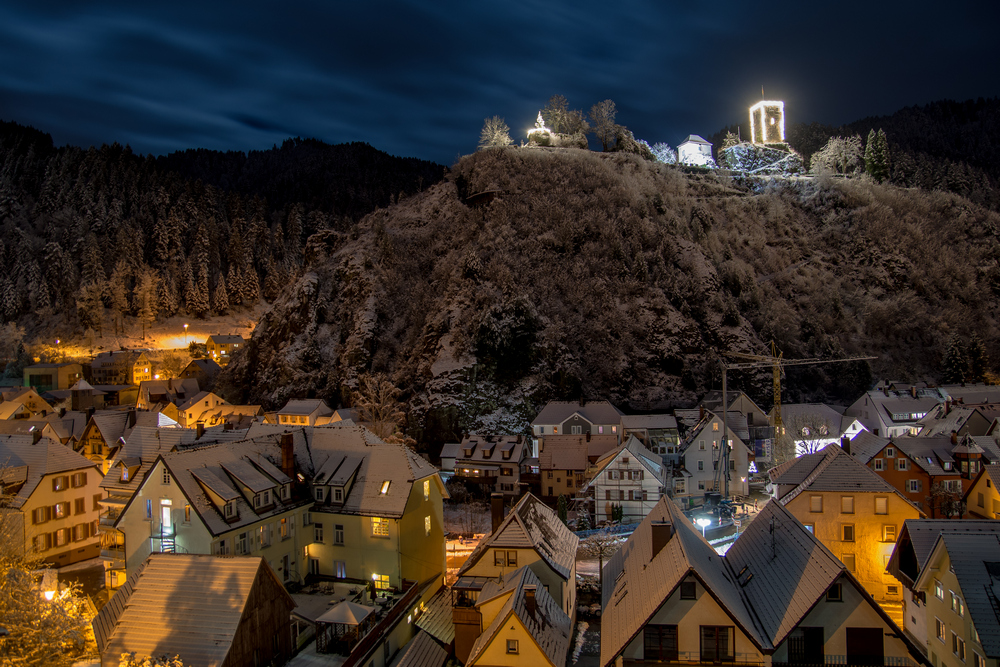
x=185 y=334
x=704 y=523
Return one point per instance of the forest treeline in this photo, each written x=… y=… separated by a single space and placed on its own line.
x=945 y=145
x=201 y=231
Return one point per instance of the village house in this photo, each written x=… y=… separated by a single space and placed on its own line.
x=657 y=433
x=221 y=347
x=892 y=409
x=81 y=397
x=127 y=468
x=702 y=455
x=577 y=418
x=931 y=472
x=206 y=610
x=855 y=513
x=531 y=535
x=190 y=410
x=778 y=597
x=565 y=462
x=35 y=407
x=492 y=462
x=203 y=370
x=54 y=498
x=982 y=500
x=304 y=412
x=631 y=477
x=103 y=434
x=520 y=623
x=948 y=417
x=49 y=377
x=813 y=426
x=124 y=367
x=695 y=151
x=951 y=573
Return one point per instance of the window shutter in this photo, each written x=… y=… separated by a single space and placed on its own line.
x=48 y=541
x=48 y=512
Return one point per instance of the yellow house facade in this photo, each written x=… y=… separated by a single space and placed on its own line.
x=853 y=512
x=982 y=500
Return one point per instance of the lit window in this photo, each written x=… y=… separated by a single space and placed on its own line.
x=938 y=590
x=889 y=533
x=427 y=490
x=939 y=625
x=958 y=646
x=380 y=527
x=810 y=527
x=427 y=525
x=381 y=581
x=957 y=605
x=385 y=487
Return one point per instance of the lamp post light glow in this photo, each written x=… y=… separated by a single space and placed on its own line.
x=704 y=523
x=185 y=334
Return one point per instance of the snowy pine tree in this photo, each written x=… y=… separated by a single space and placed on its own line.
x=956 y=365
x=220 y=298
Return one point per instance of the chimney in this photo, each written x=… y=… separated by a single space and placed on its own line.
x=496 y=510
x=62 y=412
x=131 y=418
x=529 y=600
x=44 y=412
x=845 y=444
x=701 y=412
x=90 y=412
x=662 y=532
x=913 y=391
x=468 y=622
x=288 y=455
x=588 y=436
x=947 y=406
x=199 y=430
x=954 y=437
x=36 y=435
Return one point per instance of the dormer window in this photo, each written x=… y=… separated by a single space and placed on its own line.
x=285 y=491
x=947 y=465
x=338 y=495
x=506 y=454
x=468 y=452
x=230 y=509
x=385 y=487
x=262 y=499
x=319 y=494
x=124 y=474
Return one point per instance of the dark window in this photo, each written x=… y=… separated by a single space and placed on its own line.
x=688 y=589
x=660 y=642
x=835 y=594
x=717 y=643
x=864 y=646
x=805 y=646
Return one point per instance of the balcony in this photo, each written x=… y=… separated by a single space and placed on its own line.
x=113 y=552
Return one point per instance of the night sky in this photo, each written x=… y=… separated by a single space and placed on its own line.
x=418 y=78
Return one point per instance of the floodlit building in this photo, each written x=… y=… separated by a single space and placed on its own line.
x=982 y=500
x=631 y=477
x=852 y=511
x=695 y=151
x=767 y=122
x=48 y=377
x=221 y=347
x=125 y=367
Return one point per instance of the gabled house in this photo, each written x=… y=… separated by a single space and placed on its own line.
x=577 y=418
x=124 y=367
x=36 y=406
x=813 y=426
x=492 y=462
x=304 y=412
x=48 y=377
x=203 y=370
x=629 y=476
x=127 y=469
x=852 y=511
x=951 y=570
x=54 y=498
x=190 y=410
x=778 y=597
x=566 y=461
x=103 y=434
x=658 y=433
x=702 y=456
x=982 y=500
x=892 y=409
x=521 y=624
x=695 y=151
x=531 y=535
x=204 y=609
x=948 y=417
x=221 y=347
x=932 y=472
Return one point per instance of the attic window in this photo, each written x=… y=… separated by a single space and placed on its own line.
x=338 y=495
x=124 y=474
x=385 y=487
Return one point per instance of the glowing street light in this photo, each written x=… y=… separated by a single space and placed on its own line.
x=704 y=523
x=185 y=334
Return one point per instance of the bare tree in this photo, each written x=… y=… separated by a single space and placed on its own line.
x=133 y=660
x=555 y=113
x=495 y=133
x=601 y=545
x=377 y=404
x=806 y=432
x=842 y=155
x=602 y=115
x=945 y=501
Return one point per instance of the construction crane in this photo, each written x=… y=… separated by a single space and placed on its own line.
x=777 y=362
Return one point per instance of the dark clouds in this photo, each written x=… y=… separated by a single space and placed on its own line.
x=417 y=78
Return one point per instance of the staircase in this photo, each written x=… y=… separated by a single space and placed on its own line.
x=167 y=544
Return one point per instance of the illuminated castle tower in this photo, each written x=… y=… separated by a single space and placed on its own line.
x=767 y=123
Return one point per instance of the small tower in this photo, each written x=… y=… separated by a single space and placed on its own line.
x=767 y=123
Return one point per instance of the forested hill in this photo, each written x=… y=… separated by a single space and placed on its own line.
x=944 y=145
x=607 y=276
x=200 y=231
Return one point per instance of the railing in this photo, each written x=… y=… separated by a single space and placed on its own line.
x=379 y=633
x=694 y=658
x=116 y=552
x=828 y=660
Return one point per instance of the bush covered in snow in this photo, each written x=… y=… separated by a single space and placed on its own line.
x=664 y=153
x=770 y=160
